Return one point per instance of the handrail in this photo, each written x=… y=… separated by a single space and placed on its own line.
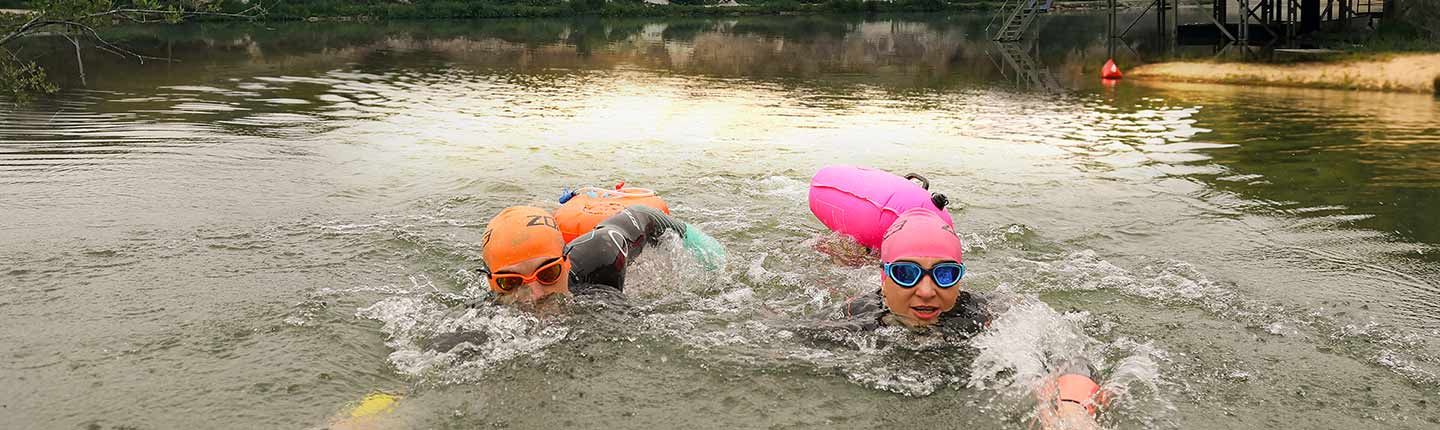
x=1024 y=11
x=1001 y=11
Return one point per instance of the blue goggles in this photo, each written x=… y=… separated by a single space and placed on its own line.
x=908 y=273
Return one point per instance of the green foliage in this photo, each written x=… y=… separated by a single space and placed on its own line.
x=426 y=9
x=9 y=21
x=79 y=19
x=89 y=12
x=1396 y=33
x=22 y=81
x=70 y=9
x=583 y=7
x=1420 y=18
x=872 y=6
x=922 y=5
x=845 y=6
x=1404 y=35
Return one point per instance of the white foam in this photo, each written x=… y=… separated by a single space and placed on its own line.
x=504 y=334
x=1023 y=344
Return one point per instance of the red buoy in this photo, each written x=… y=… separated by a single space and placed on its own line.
x=1110 y=71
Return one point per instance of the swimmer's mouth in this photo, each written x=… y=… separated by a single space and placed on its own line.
x=925 y=312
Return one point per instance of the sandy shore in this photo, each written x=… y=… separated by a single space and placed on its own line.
x=1402 y=72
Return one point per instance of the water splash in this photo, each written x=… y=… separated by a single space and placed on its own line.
x=455 y=345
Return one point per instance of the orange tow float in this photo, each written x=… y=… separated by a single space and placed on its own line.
x=584 y=208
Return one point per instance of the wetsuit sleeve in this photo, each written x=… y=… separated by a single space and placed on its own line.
x=600 y=256
x=858 y=314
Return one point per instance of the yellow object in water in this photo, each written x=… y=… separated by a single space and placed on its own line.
x=374 y=404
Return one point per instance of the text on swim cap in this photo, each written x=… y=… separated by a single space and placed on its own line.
x=542 y=220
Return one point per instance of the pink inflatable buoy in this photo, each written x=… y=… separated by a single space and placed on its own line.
x=862 y=202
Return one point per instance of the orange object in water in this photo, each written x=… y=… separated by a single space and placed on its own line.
x=519 y=233
x=1077 y=389
x=592 y=205
x=1110 y=71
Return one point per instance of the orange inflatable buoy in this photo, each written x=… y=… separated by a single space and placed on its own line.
x=589 y=206
x=1110 y=71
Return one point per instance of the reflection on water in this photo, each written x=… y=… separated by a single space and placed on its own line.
x=287 y=218
x=1368 y=158
x=1024 y=68
x=927 y=52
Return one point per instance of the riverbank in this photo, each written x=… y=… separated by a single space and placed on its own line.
x=329 y=10
x=342 y=10
x=1391 y=72
x=373 y=10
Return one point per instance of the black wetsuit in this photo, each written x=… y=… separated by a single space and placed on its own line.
x=868 y=312
x=598 y=258
x=597 y=262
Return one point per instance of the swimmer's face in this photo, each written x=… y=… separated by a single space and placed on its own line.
x=534 y=291
x=922 y=304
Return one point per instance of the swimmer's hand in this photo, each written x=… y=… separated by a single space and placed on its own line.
x=708 y=251
x=844 y=250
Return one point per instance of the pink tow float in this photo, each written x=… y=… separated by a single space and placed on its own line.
x=862 y=202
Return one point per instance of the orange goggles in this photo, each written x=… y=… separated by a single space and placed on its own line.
x=547 y=274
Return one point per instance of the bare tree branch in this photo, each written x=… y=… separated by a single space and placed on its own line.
x=77 y=22
x=40 y=21
x=111 y=47
x=78 y=61
x=111 y=51
x=102 y=42
x=22 y=30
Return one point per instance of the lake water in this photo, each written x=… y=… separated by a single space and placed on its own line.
x=285 y=219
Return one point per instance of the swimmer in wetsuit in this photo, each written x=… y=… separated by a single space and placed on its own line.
x=526 y=259
x=921 y=266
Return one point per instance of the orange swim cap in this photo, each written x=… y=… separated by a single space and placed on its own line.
x=520 y=233
x=1077 y=389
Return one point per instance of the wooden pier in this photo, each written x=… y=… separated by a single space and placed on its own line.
x=1247 y=22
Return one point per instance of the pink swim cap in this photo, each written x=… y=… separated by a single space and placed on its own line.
x=920 y=233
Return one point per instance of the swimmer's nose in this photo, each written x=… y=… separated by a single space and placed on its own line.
x=926 y=289
x=536 y=291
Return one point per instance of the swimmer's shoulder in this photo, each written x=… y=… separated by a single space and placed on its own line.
x=971 y=312
x=864 y=306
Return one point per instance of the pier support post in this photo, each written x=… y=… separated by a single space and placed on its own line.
x=1309 y=15
x=1160 y=19
x=1110 y=35
x=1244 y=39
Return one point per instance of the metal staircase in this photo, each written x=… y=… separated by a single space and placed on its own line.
x=1028 y=72
x=1014 y=17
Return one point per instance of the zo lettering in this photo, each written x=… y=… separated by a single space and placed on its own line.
x=542 y=220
